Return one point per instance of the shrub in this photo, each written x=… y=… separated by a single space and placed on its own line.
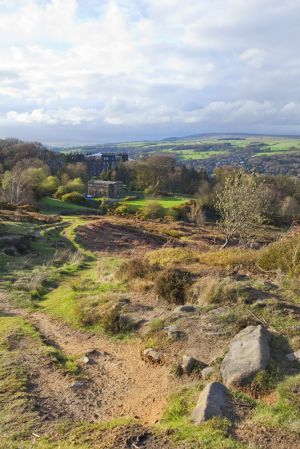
x=171 y=285
x=88 y=312
x=283 y=255
x=135 y=268
x=74 y=198
x=123 y=210
x=214 y=290
x=115 y=323
x=153 y=210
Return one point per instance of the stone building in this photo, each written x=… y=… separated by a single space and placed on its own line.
x=98 y=163
x=108 y=189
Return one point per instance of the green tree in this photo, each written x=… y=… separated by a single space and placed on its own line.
x=242 y=205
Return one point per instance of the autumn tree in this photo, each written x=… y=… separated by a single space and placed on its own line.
x=242 y=205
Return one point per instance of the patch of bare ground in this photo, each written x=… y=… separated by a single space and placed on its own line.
x=267 y=438
x=115 y=236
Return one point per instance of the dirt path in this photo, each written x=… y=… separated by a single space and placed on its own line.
x=122 y=382
x=115 y=383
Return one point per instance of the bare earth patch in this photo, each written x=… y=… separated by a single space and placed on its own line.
x=117 y=237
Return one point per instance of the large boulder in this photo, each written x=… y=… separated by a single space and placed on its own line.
x=248 y=354
x=213 y=401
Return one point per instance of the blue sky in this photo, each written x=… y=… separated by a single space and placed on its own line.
x=86 y=71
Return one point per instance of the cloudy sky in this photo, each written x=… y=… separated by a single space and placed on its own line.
x=74 y=71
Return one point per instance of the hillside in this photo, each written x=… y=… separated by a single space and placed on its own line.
x=102 y=347
x=265 y=154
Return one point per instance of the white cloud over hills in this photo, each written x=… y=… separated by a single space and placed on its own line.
x=116 y=69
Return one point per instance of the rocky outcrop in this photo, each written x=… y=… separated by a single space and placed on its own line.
x=214 y=401
x=248 y=354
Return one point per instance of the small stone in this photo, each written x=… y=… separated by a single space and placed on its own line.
x=152 y=355
x=294 y=356
x=85 y=359
x=188 y=364
x=173 y=332
x=186 y=308
x=207 y=372
x=77 y=384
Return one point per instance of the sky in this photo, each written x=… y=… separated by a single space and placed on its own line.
x=94 y=71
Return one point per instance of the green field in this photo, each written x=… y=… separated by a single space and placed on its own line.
x=166 y=202
x=56 y=206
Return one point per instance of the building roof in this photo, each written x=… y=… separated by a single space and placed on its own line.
x=100 y=182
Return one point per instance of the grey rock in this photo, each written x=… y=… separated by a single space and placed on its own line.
x=77 y=384
x=186 y=308
x=173 y=332
x=248 y=354
x=85 y=359
x=188 y=364
x=152 y=355
x=207 y=372
x=213 y=401
x=294 y=356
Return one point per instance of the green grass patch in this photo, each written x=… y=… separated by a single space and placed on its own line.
x=79 y=299
x=285 y=413
x=166 y=202
x=56 y=206
x=213 y=434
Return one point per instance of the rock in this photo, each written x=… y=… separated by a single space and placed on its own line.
x=77 y=384
x=188 y=364
x=213 y=401
x=85 y=359
x=186 y=308
x=207 y=372
x=173 y=332
x=152 y=355
x=294 y=356
x=248 y=354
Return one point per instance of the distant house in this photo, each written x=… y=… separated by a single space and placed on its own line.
x=108 y=189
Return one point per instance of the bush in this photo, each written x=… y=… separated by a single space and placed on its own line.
x=115 y=323
x=123 y=210
x=171 y=285
x=283 y=255
x=74 y=198
x=135 y=268
x=153 y=210
x=214 y=290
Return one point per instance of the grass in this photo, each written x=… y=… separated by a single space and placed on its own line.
x=230 y=257
x=285 y=413
x=166 y=202
x=213 y=434
x=56 y=206
x=196 y=155
x=17 y=416
x=85 y=293
x=170 y=256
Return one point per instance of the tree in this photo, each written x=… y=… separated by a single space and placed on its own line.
x=242 y=205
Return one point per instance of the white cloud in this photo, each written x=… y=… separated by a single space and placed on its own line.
x=115 y=63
